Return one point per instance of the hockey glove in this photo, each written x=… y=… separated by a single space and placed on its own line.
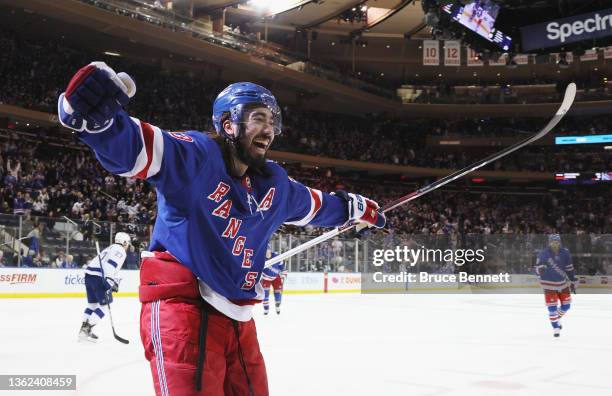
x=108 y=297
x=114 y=285
x=362 y=210
x=93 y=97
x=541 y=269
x=573 y=287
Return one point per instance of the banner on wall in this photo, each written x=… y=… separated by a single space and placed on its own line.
x=471 y=58
x=607 y=53
x=49 y=283
x=589 y=55
x=521 y=59
x=452 y=53
x=499 y=62
x=431 y=53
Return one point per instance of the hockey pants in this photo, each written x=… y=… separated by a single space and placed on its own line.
x=175 y=322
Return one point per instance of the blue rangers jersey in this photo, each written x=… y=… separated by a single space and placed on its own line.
x=558 y=269
x=215 y=224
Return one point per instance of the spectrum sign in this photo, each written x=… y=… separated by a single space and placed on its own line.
x=583 y=139
x=576 y=28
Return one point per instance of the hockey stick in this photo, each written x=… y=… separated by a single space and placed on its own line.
x=568 y=99
x=110 y=314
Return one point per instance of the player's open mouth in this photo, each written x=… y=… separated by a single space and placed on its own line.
x=261 y=143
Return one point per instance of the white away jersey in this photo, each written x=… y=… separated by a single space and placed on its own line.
x=112 y=258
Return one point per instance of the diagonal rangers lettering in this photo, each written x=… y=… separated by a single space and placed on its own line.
x=246 y=260
x=267 y=201
x=249 y=280
x=223 y=210
x=239 y=245
x=221 y=190
x=232 y=228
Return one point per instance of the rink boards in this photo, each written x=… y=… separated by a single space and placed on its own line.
x=41 y=283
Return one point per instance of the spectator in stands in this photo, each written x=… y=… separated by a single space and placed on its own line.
x=131 y=261
x=19 y=204
x=69 y=262
x=59 y=260
x=45 y=259
x=35 y=236
x=27 y=260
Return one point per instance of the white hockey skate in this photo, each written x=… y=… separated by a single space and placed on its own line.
x=557 y=331
x=85 y=334
x=278 y=310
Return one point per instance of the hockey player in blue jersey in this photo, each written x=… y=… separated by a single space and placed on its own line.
x=100 y=281
x=557 y=278
x=218 y=202
x=273 y=277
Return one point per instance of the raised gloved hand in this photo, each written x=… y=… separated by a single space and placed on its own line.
x=93 y=97
x=362 y=210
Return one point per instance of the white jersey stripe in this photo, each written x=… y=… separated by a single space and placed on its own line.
x=158 y=152
x=241 y=313
x=141 y=160
x=316 y=201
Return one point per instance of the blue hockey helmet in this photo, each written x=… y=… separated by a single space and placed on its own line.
x=236 y=98
x=554 y=238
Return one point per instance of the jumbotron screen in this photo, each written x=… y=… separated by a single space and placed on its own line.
x=480 y=17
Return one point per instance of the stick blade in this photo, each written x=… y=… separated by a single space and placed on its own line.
x=121 y=340
x=568 y=99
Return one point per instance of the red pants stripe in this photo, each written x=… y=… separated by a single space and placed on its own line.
x=170 y=322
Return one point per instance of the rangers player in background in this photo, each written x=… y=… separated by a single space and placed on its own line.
x=100 y=283
x=557 y=278
x=218 y=203
x=273 y=277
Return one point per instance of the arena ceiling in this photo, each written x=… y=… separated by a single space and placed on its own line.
x=388 y=45
x=387 y=48
x=386 y=18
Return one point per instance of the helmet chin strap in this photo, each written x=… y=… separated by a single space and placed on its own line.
x=236 y=138
x=234 y=141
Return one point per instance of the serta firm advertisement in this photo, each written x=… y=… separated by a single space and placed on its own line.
x=567 y=30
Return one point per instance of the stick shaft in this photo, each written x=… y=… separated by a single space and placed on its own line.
x=568 y=99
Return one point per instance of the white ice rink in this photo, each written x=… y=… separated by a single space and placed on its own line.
x=346 y=344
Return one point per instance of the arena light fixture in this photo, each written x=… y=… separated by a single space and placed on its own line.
x=261 y=4
x=110 y=53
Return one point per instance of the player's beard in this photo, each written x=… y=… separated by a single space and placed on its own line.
x=255 y=162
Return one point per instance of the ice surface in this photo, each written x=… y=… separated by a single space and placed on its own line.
x=346 y=344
